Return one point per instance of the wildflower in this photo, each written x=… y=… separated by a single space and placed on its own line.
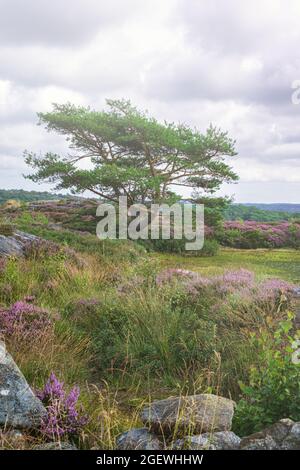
x=64 y=416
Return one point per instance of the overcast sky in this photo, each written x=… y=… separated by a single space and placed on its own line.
x=227 y=62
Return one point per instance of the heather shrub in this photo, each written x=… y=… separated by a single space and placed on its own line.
x=65 y=418
x=43 y=249
x=23 y=319
x=252 y=234
x=272 y=391
x=241 y=284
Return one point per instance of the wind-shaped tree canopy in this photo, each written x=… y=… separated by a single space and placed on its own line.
x=124 y=152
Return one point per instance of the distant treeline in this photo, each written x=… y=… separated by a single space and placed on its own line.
x=27 y=196
x=256 y=212
x=277 y=207
x=253 y=212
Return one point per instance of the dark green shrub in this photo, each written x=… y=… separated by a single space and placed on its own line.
x=210 y=247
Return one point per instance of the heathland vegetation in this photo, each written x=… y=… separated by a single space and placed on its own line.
x=101 y=328
x=128 y=326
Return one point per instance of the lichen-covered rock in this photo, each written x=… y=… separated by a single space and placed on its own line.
x=292 y=440
x=284 y=435
x=195 y=413
x=258 y=441
x=14 y=245
x=138 y=439
x=55 y=446
x=223 y=440
x=19 y=407
x=280 y=430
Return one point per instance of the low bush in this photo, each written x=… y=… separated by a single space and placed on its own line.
x=210 y=248
x=40 y=249
x=273 y=389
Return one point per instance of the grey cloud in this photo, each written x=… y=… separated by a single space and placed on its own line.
x=109 y=63
x=232 y=27
x=265 y=191
x=57 y=23
x=209 y=76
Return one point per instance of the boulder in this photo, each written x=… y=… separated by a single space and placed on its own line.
x=292 y=440
x=280 y=430
x=284 y=435
x=13 y=245
x=224 y=440
x=19 y=407
x=258 y=441
x=55 y=446
x=195 y=413
x=138 y=439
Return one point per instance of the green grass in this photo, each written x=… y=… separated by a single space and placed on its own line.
x=284 y=264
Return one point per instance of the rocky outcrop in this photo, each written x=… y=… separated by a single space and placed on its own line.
x=225 y=440
x=138 y=439
x=196 y=413
x=19 y=407
x=14 y=244
x=284 y=435
x=204 y=421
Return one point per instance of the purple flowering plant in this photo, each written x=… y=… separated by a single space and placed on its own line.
x=65 y=418
x=240 y=284
x=252 y=234
x=23 y=318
